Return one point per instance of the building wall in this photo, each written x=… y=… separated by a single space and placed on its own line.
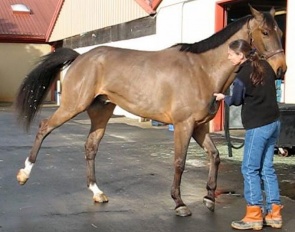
x=177 y=21
x=78 y=16
x=185 y=21
x=289 y=85
x=123 y=31
x=16 y=60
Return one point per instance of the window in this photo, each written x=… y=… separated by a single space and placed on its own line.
x=20 y=8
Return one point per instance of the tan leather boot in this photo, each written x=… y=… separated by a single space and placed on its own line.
x=274 y=217
x=253 y=219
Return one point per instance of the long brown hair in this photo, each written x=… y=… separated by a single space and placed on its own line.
x=242 y=46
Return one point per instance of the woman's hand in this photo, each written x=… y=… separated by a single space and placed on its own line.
x=219 y=96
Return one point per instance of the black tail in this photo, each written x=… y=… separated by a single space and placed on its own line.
x=37 y=83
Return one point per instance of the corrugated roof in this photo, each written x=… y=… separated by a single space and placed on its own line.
x=35 y=26
x=149 y=5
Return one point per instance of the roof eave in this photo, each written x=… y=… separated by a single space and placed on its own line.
x=151 y=7
x=22 y=39
x=53 y=20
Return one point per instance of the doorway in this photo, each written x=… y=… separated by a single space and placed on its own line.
x=228 y=12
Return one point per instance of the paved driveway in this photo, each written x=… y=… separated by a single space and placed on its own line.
x=134 y=168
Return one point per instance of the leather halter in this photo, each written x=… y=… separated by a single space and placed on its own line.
x=265 y=55
x=270 y=54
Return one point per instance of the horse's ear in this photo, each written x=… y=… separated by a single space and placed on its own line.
x=272 y=11
x=257 y=15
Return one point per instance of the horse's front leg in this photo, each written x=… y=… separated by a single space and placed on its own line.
x=202 y=137
x=99 y=115
x=182 y=135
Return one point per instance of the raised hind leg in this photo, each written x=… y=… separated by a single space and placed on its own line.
x=182 y=135
x=99 y=114
x=46 y=126
x=202 y=137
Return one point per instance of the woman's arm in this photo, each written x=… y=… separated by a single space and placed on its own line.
x=237 y=97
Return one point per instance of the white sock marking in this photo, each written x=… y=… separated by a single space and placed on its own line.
x=95 y=189
x=28 y=167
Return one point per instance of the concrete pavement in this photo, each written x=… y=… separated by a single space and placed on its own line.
x=134 y=167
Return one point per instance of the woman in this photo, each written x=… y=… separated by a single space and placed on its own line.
x=254 y=89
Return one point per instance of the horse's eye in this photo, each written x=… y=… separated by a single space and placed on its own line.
x=265 y=33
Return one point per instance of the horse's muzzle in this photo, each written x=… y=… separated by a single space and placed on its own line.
x=281 y=73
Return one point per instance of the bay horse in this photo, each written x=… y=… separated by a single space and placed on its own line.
x=174 y=85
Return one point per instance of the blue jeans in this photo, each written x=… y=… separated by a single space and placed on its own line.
x=257 y=166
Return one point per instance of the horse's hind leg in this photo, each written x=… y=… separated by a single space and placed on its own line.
x=46 y=126
x=99 y=114
x=202 y=137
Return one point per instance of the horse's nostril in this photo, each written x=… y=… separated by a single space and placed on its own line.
x=280 y=73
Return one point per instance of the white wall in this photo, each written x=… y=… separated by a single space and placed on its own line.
x=289 y=86
x=17 y=60
x=185 y=21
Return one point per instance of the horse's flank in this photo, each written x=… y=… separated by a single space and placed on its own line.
x=130 y=74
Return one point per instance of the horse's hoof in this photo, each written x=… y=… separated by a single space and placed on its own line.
x=183 y=211
x=22 y=177
x=100 y=198
x=209 y=204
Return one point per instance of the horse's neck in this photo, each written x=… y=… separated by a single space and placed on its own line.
x=220 y=69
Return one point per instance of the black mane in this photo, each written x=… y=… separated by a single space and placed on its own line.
x=215 y=40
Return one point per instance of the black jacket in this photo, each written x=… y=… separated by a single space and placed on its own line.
x=259 y=104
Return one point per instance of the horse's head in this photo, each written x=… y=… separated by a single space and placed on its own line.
x=265 y=36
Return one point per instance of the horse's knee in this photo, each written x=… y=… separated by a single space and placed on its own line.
x=179 y=165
